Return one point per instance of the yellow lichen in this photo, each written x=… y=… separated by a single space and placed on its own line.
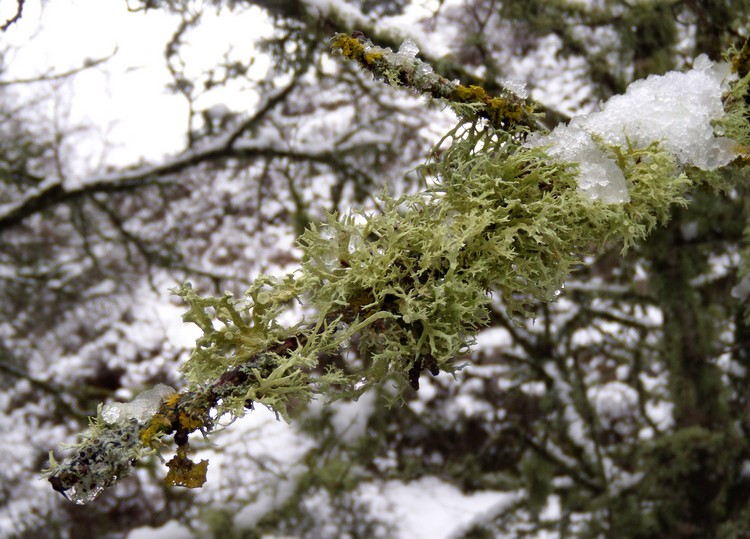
x=350 y=47
x=469 y=94
x=189 y=422
x=158 y=424
x=172 y=400
x=183 y=472
x=372 y=57
x=497 y=110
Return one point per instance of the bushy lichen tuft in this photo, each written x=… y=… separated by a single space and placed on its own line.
x=412 y=281
x=410 y=285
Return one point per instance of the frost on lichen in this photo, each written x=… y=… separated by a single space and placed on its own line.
x=108 y=450
x=104 y=455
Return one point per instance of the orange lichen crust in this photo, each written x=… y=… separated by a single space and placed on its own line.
x=498 y=110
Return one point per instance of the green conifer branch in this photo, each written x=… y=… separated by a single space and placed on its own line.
x=411 y=283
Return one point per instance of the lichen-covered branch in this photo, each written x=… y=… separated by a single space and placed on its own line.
x=403 y=68
x=408 y=285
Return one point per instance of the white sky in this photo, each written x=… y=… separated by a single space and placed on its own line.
x=124 y=99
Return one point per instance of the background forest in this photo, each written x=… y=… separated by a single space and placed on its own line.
x=620 y=410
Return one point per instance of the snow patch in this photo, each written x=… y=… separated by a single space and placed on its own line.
x=676 y=110
x=350 y=418
x=614 y=401
x=172 y=530
x=269 y=499
x=598 y=175
x=448 y=510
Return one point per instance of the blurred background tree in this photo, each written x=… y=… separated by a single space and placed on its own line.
x=621 y=410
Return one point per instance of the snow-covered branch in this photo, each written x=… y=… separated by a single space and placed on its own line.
x=247 y=140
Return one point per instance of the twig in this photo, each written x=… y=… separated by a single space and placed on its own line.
x=15 y=18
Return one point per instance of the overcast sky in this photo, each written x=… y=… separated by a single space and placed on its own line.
x=124 y=99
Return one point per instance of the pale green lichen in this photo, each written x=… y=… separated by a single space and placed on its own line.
x=412 y=281
x=410 y=284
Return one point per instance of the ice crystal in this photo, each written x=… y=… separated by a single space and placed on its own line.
x=142 y=408
x=518 y=87
x=408 y=48
x=599 y=176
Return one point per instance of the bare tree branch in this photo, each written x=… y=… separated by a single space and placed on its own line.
x=87 y=64
x=15 y=18
x=230 y=145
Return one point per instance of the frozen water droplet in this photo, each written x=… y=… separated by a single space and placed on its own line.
x=82 y=495
x=88 y=488
x=408 y=48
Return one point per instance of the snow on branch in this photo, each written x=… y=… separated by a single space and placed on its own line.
x=409 y=285
x=676 y=111
x=232 y=144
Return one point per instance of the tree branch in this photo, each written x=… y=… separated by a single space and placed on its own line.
x=15 y=18
x=229 y=146
x=88 y=64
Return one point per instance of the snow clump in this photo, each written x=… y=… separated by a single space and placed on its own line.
x=142 y=408
x=676 y=110
x=599 y=176
x=614 y=402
